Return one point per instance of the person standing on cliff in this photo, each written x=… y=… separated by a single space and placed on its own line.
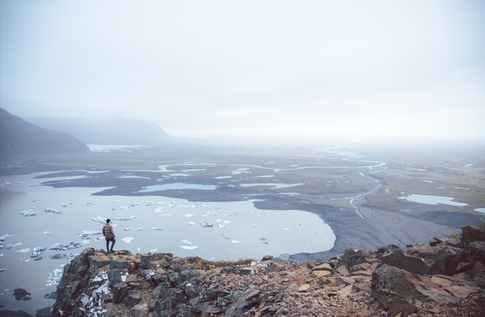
x=109 y=235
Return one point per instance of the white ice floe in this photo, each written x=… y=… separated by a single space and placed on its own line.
x=54 y=211
x=264 y=240
x=47 y=232
x=8 y=246
x=124 y=218
x=5 y=236
x=153 y=250
x=235 y=242
x=225 y=236
x=189 y=215
x=221 y=225
x=99 y=219
x=64 y=205
x=191 y=223
x=23 y=250
x=188 y=247
x=38 y=251
x=255 y=225
x=286 y=229
x=54 y=277
x=206 y=224
x=164 y=215
x=185 y=242
x=157 y=228
x=28 y=213
x=127 y=239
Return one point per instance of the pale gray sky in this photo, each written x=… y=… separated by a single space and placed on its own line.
x=270 y=68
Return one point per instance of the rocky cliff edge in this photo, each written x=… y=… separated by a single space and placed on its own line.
x=446 y=278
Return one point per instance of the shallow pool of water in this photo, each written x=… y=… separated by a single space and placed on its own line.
x=433 y=200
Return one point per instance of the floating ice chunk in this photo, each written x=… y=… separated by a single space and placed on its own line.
x=221 y=225
x=158 y=210
x=2 y=238
x=189 y=215
x=99 y=219
x=59 y=255
x=113 y=209
x=39 y=258
x=127 y=239
x=86 y=233
x=128 y=229
x=64 y=205
x=255 y=225
x=1 y=254
x=286 y=229
x=38 y=251
x=36 y=200
x=191 y=223
x=138 y=229
x=47 y=232
x=13 y=245
x=225 y=236
x=23 y=250
x=235 y=242
x=206 y=224
x=164 y=215
x=153 y=250
x=138 y=249
x=116 y=201
x=227 y=222
x=28 y=213
x=3 y=269
x=185 y=242
x=264 y=240
x=189 y=247
x=124 y=218
x=156 y=228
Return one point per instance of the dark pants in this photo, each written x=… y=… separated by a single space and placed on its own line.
x=112 y=244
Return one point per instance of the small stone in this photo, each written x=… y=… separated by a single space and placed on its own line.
x=304 y=288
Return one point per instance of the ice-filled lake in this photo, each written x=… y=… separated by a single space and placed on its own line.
x=211 y=230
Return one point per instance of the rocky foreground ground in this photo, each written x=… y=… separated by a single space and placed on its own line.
x=446 y=278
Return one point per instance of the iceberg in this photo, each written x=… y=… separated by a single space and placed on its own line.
x=189 y=215
x=124 y=218
x=185 y=242
x=38 y=251
x=189 y=247
x=206 y=224
x=64 y=205
x=264 y=240
x=28 y=213
x=54 y=211
x=23 y=251
x=127 y=239
x=153 y=250
x=156 y=228
x=99 y=219
x=235 y=242
x=225 y=236
x=59 y=255
x=2 y=238
x=191 y=223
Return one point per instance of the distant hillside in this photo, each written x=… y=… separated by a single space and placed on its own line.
x=18 y=137
x=112 y=131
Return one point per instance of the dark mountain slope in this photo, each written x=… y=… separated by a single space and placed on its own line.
x=111 y=131
x=18 y=137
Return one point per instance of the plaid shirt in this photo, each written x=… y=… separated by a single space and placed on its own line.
x=108 y=231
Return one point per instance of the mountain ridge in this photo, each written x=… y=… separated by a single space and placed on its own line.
x=19 y=137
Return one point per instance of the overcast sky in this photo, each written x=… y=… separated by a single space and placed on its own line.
x=324 y=69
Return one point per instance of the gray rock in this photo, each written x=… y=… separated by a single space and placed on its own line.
x=120 y=291
x=441 y=259
x=473 y=233
x=477 y=250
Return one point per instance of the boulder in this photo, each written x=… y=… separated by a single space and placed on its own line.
x=398 y=289
x=120 y=291
x=441 y=259
x=477 y=250
x=473 y=233
x=120 y=264
x=353 y=257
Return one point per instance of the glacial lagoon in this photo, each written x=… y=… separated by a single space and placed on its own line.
x=212 y=230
